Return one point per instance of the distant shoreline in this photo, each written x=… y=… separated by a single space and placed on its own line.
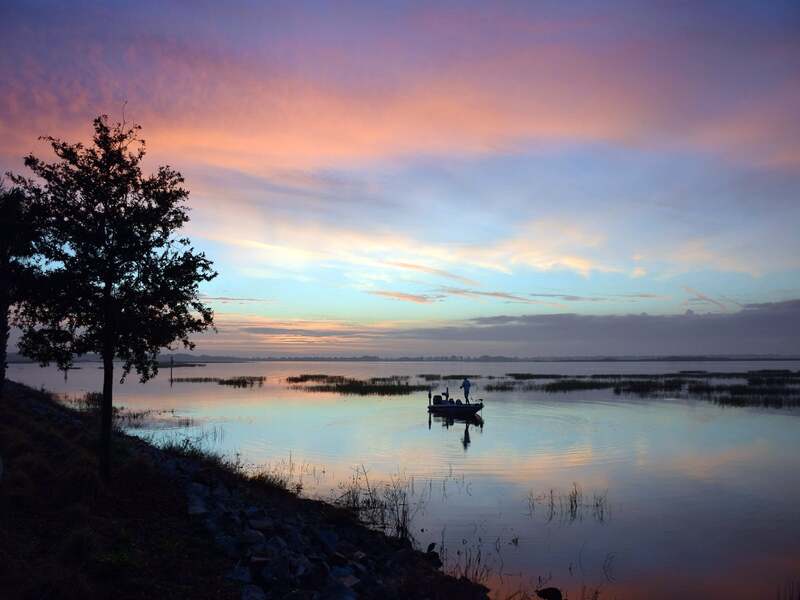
x=185 y=358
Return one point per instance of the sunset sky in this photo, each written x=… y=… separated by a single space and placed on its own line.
x=452 y=178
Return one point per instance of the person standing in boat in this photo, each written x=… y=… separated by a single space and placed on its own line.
x=465 y=385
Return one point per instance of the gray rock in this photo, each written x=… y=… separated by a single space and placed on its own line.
x=241 y=574
x=199 y=489
x=251 y=537
x=262 y=524
x=328 y=539
x=253 y=512
x=253 y=592
x=276 y=543
x=341 y=572
x=197 y=506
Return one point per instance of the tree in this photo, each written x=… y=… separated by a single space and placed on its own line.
x=117 y=281
x=17 y=237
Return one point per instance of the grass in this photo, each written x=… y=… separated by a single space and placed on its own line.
x=386 y=506
x=64 y=533
x=430 y=376
x=527 y=376
x=500 y=386
x=239 y=381
x=337 y=384
x=570 y=506
x=572 y=385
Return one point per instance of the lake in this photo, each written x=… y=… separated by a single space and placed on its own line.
x=587 y=491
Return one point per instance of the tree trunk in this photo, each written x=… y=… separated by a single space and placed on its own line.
x=4 y=331
x=105 y=415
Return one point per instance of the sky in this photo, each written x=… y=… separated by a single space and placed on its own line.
x=403 y=178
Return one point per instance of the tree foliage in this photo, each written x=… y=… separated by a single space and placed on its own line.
x=118 y=282
x=18 y=234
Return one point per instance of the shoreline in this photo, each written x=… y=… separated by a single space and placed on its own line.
x=260 y=541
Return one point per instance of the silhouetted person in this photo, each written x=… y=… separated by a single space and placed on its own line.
x=446 y=394
x=465 y=385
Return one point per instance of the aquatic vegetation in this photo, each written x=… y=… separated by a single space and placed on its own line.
x=500 y=386
x=526 y=376
x=307 y=377
x=571 y=385
x=430 y=376
x=239 y=381
x=377 y=386
x=568 y=507
x=646 y=387
x=386 y=506
x=390 y=379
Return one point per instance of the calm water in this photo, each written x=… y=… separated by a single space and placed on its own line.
x=696 y=500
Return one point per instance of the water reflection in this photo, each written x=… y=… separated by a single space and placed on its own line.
x=448 y=421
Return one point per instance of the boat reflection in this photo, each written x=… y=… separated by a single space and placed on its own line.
x=448 y=421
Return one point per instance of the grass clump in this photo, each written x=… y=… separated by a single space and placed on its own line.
x=572 y=385
x=377 y=386
x=430 y=376
x=527 y=376
x=500 y=386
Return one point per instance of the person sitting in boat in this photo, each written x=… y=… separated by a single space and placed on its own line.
x=465 y=385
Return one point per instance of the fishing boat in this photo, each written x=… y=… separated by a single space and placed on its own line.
x=439 y=406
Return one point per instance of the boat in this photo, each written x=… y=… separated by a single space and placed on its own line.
x=439 y=406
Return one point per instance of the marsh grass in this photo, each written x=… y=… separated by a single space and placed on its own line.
x=568 y=507
x=528 y=376
x=388 y=506
x=572 y=385
x=239 y=381
x=377 y=386
x=500 y=386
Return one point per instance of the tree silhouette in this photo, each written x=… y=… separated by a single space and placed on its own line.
x=117 y=280
x=17 y=236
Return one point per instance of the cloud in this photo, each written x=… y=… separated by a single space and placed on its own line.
x=702 y=298
x=467 y=293
x=326 y=92
x=759 y=328
x=432 y=271
x=604 y=298
x=764 y=328
x=233 y=299
x=415 y=298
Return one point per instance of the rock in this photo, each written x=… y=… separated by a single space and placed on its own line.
x=227 y=544
x=328 y=539
x=197 y=506
x=251 y=537
x=276 y=543
x=262 y=524
x=253 y=592
x=299 y=565
x=294 y=539
x=198 y=489
x=339 y=559
x=241 y=574
x=253 y=512
x=350 y=581
x=339 y=573
x=433 y=559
